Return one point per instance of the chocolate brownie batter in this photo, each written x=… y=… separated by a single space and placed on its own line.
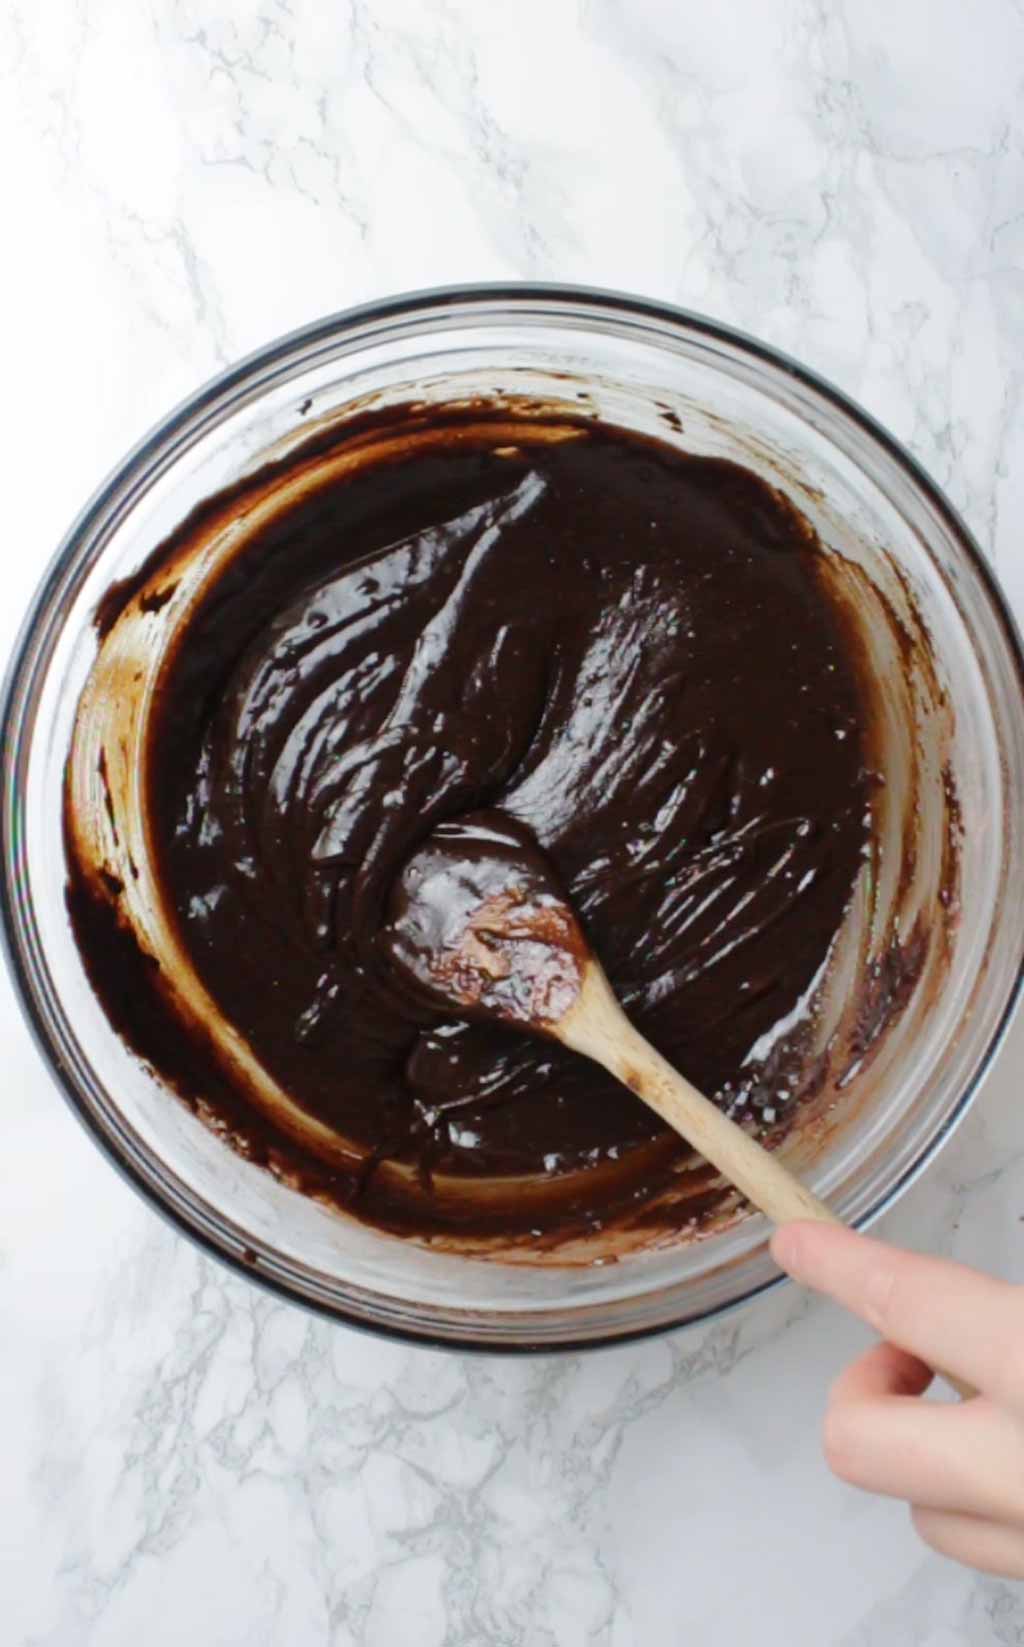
x=555 y=627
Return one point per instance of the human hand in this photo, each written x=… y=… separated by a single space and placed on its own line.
x=959 y=1466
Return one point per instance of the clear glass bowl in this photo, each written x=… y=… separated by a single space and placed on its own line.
x=631 y=361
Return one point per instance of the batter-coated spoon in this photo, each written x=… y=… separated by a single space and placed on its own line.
x=478 y=923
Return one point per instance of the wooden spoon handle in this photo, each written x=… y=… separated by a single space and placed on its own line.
x=597 y=1027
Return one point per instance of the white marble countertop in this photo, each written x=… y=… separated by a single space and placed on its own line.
x=182 y=1459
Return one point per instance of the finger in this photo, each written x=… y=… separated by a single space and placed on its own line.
x=882 y=1370
x=943 y=1312
x=989 y=1546
x=967 y=1458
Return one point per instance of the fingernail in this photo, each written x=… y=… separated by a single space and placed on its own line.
x=787 y=1249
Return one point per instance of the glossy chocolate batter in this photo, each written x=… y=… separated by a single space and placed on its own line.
x=630 y=652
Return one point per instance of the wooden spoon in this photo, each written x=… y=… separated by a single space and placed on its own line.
x=478 y=923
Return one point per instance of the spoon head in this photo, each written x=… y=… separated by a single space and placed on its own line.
x=479 y=925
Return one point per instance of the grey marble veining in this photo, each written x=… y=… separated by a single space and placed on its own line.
x=185 y=1460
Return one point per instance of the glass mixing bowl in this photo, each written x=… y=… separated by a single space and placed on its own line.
x=636 y=363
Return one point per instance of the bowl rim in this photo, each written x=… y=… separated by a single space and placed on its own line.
x=335 y=325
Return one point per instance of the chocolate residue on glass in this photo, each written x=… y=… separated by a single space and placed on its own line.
x=641 y=657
